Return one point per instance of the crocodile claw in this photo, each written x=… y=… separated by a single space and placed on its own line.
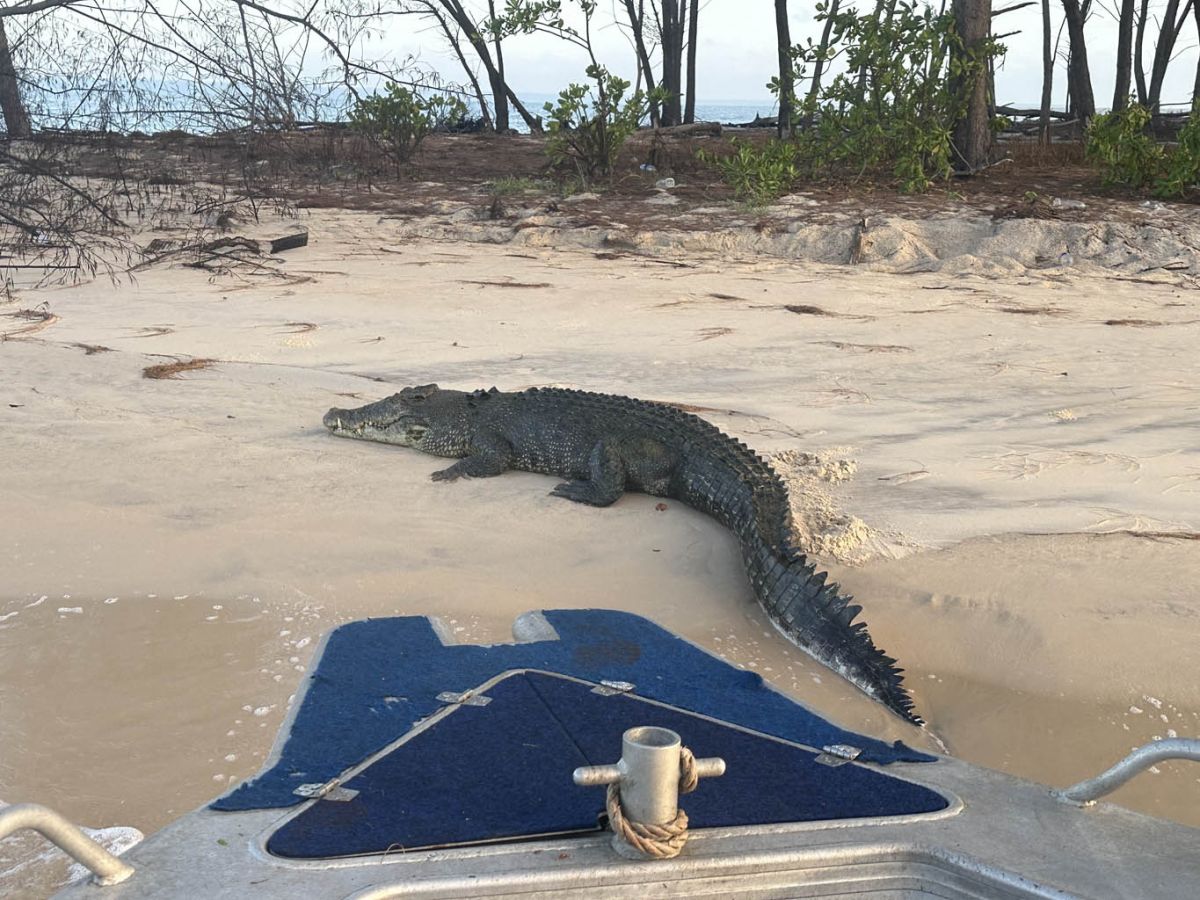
x=569 y=490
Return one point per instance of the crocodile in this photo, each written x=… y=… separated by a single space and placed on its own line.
x=606 y=444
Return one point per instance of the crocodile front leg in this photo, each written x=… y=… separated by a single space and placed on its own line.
x=490 y=455
x=605 y=482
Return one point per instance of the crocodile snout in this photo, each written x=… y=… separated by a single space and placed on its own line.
x=333 y=419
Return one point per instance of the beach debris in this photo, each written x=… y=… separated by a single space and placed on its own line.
x=505 y=284
x=34 y=320
x=664 y=184
x=222 y=254
x=1062 y=203
x=648 y=167
x=805 y=309
x=865 y=348
x=290 y=241
x=859 y=241
x=92 y=349
x=172 y=369
x=690 y=129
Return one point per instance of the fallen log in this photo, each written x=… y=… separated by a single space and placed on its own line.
x=1031 y=113
x=692 y=129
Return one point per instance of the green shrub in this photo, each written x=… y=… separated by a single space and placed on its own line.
x=1182 y=170
x=896 y=105
x=589 y=124
x=1126 y=154
x=397 y=120
x=757 y=174
x=1120 y=145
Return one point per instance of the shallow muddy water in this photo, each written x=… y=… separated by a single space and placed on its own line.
x=132 y=708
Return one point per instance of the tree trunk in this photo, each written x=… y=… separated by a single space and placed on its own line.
x=495 y=80
x=532 y=122
x=973 y=133
x=499 y=97
x=1168 y=34
x=1124 y=55
x=1079 y=75
x=672 y=61
x=689 y=111
x=498 y=81
x=814 y=90
x=787 y=77
x=1139 y=70
x=1196 y=86
x=452 y=39
x=637 y=24
x=1047 y=74
x=16 y=118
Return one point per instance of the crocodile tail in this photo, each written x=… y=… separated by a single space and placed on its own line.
x=814 y=616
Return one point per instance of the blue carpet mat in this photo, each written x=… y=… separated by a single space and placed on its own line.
x=503 y=772
x=379 y=677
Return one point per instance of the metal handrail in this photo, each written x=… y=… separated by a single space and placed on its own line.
x=106 y=869
x=1088 y=792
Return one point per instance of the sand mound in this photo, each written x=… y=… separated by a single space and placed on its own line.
x=819 y=525
x=1163 y=247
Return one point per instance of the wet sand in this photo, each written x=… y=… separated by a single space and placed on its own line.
x=1006 y=481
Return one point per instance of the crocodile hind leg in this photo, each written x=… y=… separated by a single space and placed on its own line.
x=605 y=482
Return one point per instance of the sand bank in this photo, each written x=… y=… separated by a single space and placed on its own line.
x=1004 y=472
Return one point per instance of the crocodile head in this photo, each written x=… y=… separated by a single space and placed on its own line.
x=405 y=418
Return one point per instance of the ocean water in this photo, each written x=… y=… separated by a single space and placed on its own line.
x=727 y=112
x=123 y=111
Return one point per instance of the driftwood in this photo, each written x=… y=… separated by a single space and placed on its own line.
x=759 y=122
x=290 y=241
x=693 y=129
x=219 y=252
x=1031 y=113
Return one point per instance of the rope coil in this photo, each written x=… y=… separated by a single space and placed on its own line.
x=655 y=841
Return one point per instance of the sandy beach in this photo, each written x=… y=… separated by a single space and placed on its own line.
x=1002 y=466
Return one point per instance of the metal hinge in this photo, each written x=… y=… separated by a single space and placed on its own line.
x=331 y=790
x=835 y=755
x=466 y=698
x=612 y=688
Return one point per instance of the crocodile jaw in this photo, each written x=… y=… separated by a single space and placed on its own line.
x=403 y=430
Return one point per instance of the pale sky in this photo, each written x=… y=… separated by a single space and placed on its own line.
x=736 y=56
